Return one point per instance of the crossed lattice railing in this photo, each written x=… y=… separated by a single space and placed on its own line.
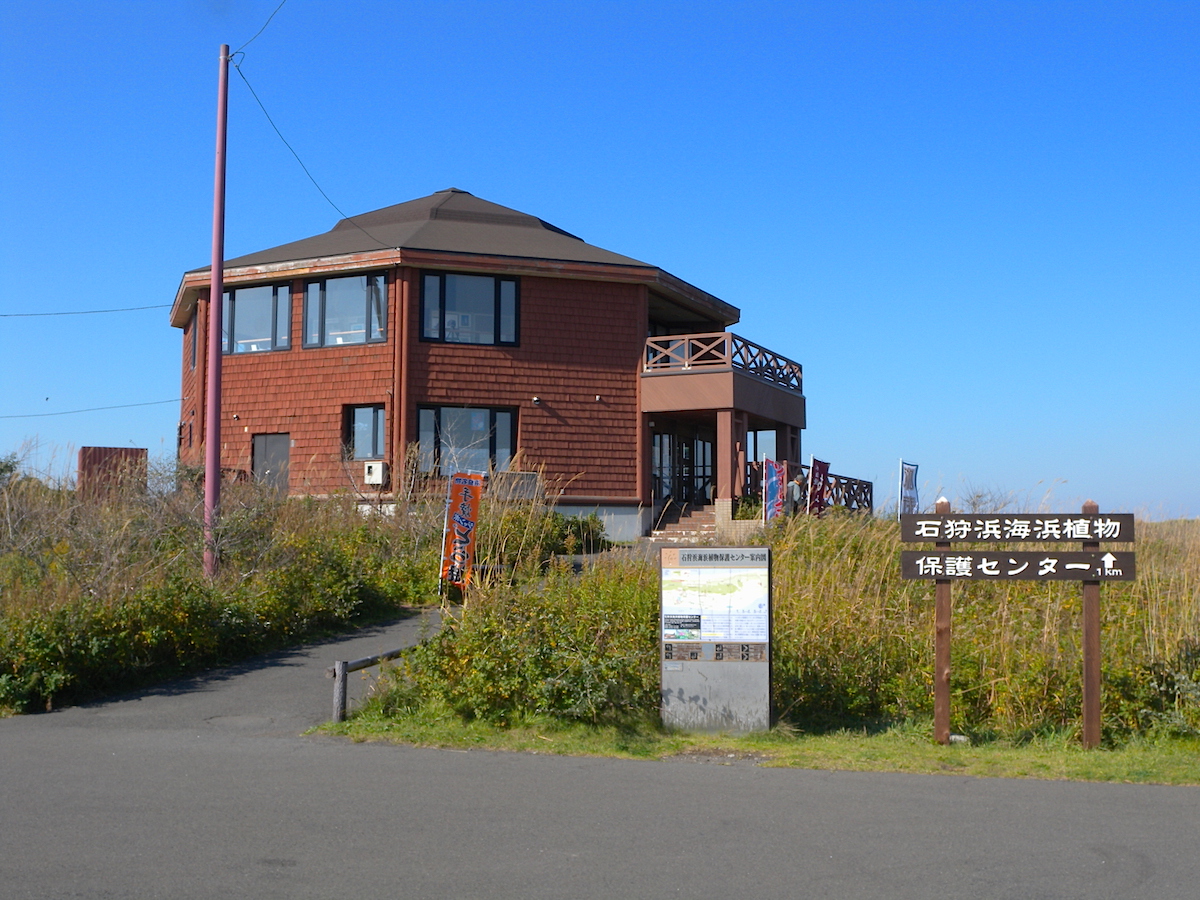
x=723 y=349
x=840 y=490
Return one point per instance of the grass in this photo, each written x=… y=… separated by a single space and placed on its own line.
x=903 y=747
x=852 y=661
x=104 y=593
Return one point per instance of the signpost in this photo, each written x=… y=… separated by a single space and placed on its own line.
x=716 y=638
x=1089 y=565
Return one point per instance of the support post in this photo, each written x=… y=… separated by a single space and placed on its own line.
x=1091 y=648
x=941 y=646
x=339 y=690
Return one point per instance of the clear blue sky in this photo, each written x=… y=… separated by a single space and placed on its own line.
x=976 y=225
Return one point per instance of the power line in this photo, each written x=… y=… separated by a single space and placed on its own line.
x=71 y=412
x=260 y=31
x=337 y=209
x=81 y=312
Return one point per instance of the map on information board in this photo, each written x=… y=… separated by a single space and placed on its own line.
x=716 y=604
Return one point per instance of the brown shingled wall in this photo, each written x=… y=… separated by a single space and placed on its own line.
x=301 y=392
x=578 y=340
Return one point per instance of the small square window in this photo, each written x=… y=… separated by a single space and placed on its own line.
x=366 y=432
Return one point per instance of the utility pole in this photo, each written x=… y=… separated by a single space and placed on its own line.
x=212 y=412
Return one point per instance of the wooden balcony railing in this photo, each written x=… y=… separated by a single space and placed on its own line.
x=721 y=350
x=840 y=490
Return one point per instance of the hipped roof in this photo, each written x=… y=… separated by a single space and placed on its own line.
x=451 y=221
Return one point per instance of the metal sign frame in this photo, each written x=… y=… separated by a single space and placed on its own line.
x=715 y=638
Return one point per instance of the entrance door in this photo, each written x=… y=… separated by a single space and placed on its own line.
x=682 y=465
x=269 y=460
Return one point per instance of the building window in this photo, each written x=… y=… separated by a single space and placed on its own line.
x=347 y=310
x=468 y=309
x=258 y=318
x=465 y=439
x=366 y=432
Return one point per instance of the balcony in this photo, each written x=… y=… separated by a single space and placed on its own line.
x=721 y=371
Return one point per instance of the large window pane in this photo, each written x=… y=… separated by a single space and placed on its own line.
x=465 y=440
x=462 y=439
x=345 y=310
x=253 y=314
x=470 y=309
x=255 y=319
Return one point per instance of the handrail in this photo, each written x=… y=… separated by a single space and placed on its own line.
x=341 y=668
x=721 y=349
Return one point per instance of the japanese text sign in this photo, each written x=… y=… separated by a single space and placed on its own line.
x=458 y=540
x=1017 y=527
x=1024 y=566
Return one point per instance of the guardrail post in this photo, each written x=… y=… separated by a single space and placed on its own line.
x=339 y=690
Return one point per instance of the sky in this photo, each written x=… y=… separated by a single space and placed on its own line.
x=975 y=224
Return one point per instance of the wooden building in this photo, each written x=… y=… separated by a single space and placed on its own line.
x=477 y=333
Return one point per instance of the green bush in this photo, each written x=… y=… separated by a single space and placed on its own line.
x=97 y=597
x=582 y=649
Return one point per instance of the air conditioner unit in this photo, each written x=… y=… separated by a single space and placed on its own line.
x=375 y=473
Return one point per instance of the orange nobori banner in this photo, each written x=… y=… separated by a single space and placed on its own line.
x=458 y=538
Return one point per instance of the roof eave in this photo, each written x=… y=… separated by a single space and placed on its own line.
x=198 y=280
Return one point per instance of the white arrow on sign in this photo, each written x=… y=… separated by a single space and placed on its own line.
x=1108 y=559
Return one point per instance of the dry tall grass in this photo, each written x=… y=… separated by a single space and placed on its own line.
x=852 y=638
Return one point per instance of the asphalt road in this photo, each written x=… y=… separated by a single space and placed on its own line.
x=206 y=788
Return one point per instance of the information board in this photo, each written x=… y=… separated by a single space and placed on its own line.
x=715 y=631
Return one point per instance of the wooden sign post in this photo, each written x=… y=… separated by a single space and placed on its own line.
x=944 y=567
x=941 y=646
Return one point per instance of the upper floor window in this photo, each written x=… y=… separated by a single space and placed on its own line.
x=256 y=318
x=348 y=310
x=468 y=309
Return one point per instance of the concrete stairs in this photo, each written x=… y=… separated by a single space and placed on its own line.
x=685 y=524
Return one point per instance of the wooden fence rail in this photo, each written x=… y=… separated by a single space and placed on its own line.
x=341 y=668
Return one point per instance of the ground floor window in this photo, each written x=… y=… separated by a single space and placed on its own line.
x=366 y=432
x=466 y=438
